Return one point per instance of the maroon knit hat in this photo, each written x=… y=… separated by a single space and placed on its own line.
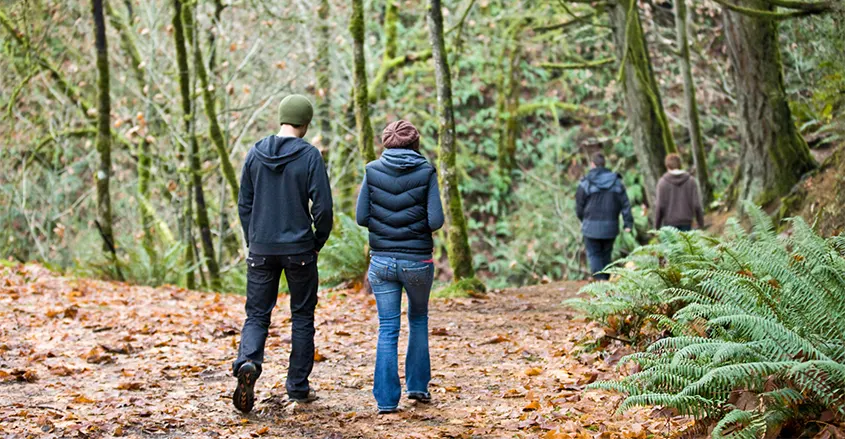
x=399 y=134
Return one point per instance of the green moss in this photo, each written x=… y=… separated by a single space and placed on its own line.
x=215 y=132
x=362 y=112
x=470 y=287
x=324 y=82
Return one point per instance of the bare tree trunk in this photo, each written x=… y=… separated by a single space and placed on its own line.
x=357 y=27
x=646 y=118
x=104 y=217
x=696 y=139
x=774 y=155
x=183 y=30
x=460 y=256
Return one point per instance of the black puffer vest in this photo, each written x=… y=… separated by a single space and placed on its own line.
x=398 y=199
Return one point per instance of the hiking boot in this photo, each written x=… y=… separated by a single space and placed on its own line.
x=244 y=397
x=388 y=411
x=306 y=399
x=423 y=397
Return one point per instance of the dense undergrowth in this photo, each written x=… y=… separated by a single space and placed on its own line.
x=743 y=332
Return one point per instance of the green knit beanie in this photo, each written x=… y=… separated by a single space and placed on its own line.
x=295 y=110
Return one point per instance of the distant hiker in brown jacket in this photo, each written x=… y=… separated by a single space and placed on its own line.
x=678 y=199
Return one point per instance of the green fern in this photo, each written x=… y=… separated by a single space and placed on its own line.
x=755 y=311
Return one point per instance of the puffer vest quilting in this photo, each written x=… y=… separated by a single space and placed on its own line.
x=398 y=209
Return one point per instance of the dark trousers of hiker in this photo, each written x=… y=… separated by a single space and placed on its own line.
x=263 y=275
x=599 y=253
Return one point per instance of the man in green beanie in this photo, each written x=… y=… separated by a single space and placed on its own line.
x=282 y=175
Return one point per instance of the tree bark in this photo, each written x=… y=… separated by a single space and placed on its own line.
x=696 y=139
x=324 y=79
x=182 y=26
x=460 y=256
x=144 y=161
x=647 y=120
x=774 y=155
x=508 y=101
x=215 y=132
x=364 y=127
x=391 y=18
x=104 y=216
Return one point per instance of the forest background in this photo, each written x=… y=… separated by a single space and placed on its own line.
x=536 y=86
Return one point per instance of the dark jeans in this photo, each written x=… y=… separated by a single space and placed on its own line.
x=599 y=253
x=681 y=227
x=263 y=274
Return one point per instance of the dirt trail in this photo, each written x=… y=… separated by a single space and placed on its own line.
x=81 y=358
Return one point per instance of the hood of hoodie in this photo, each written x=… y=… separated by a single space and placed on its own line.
x=401 y=160
x=602 y=178
x=275 y=152
x=677 y=178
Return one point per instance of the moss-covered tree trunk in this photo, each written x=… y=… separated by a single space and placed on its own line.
x=104 y=216
x=214 y=130
x=699 y=156
x=647 y=120
x=391 y=20
x=774 y=155
x=362 y=110
x=183 y=30
x=129 y=46
x=460 y=256
x=508 y=100
x=324 y=78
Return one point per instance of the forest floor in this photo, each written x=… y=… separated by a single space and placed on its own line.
x=84 y=358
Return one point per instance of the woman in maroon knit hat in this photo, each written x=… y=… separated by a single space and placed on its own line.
x=400 y=204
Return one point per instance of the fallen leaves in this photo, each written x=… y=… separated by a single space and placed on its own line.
x=133 y=361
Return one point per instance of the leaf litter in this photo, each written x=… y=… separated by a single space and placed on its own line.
x=89 y=359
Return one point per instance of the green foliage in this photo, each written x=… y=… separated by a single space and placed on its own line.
x=344 y=257
x=753 y=313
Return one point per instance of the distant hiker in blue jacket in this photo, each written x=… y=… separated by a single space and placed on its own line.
x=282 y=175
x=600 y=198
x=400 y=204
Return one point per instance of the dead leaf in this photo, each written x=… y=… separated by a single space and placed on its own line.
x=82 y=399
x=130 y=385
x=533 y=405
x=533 y=371
x=318 y=357
x=496 y=339
x=440 y=332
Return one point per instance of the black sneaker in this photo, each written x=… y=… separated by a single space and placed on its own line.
x=423 y=397
x=388 y=411
x=244 y=397
x=307 y=399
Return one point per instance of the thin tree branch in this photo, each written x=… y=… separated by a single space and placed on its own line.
x=577 y=66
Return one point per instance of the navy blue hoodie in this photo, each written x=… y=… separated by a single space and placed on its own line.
x=600 y=198
x=281 y=175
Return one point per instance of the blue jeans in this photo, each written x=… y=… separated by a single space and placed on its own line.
x=599 y=254
x=388 y=276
